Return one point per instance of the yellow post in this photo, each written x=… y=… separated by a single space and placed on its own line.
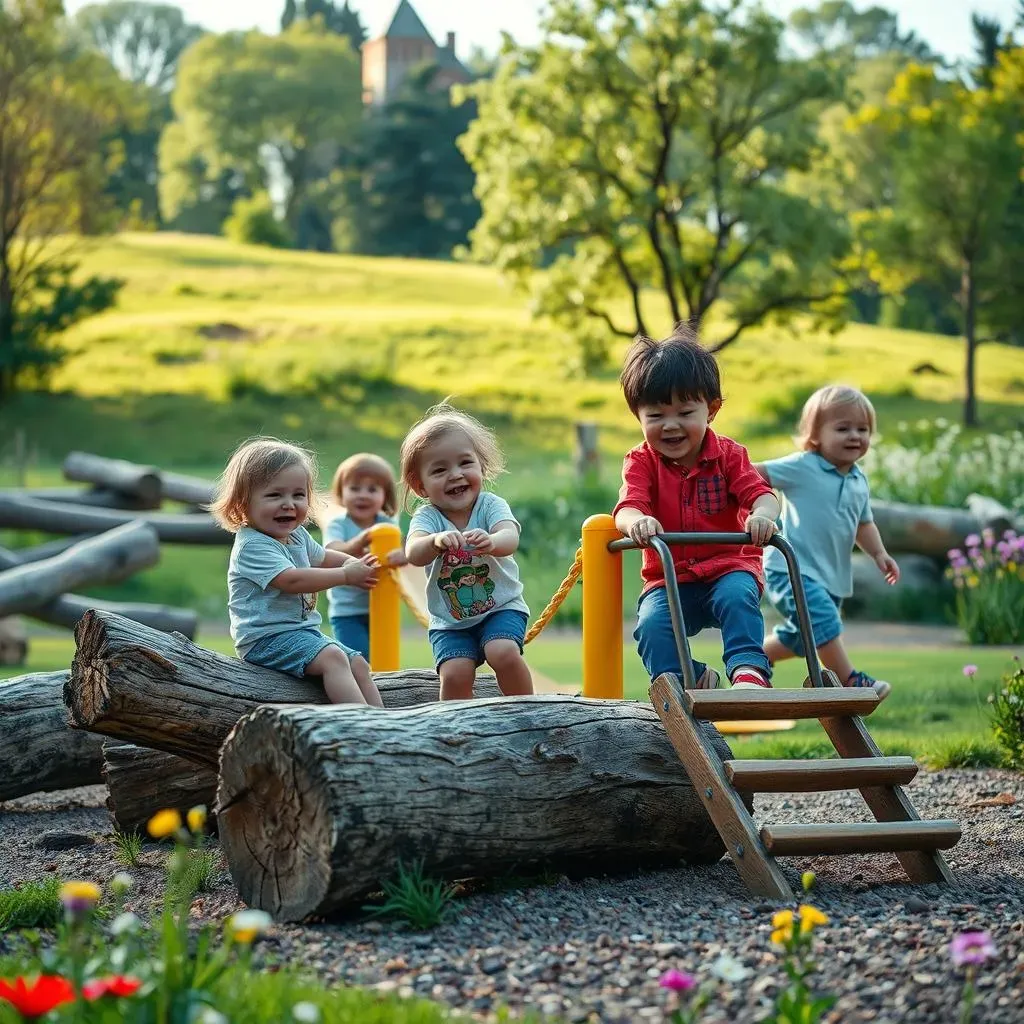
x=602 y=610
x=385 y=602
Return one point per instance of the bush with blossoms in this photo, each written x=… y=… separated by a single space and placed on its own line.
x=988 y=574
x=1008 y=716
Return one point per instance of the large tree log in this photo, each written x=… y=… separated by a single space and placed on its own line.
x=932 y=530
x=21 y=513
x=39 y=750
x=96 y=497
x=67 y=609
x=141 y=782
x=10 y=557
x=161 y=691
x=192 y=490
x=104 y=559
x=316 y=806
x=142 y=482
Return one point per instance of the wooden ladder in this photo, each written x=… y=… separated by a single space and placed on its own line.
x=722 y=784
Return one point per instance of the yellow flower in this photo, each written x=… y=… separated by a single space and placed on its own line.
x=196 y=818
x=972 y=581
x=782 y=935
x=783 y=919
x=80 y=892
x=247 y=924
x=164 y=823
x=810 y=918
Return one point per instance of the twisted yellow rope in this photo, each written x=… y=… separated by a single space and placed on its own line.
x=563 y=591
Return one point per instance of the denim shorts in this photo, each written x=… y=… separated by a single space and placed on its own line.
x=353 y=632
x=824 y=609
x=292 y=650
x=507 y=624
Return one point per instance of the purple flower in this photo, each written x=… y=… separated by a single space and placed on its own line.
x=677 y=981
x=1009 y=535
x=972 y=540
x=988 y=536
x=971 y=948
x=955 y=554
x=969 y=671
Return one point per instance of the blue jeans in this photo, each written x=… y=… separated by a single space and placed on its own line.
x=823 y=607
x=353 y=631
x=732 y=602
x=504 y=624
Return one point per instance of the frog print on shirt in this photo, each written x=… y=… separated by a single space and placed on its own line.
x=466 y=584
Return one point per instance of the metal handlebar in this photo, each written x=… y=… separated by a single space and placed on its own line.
x=661 y=541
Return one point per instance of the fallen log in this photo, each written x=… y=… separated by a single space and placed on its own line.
x=142 y=482
x=162 y=691
x=21 y=513
x=141 y=782
x=192 y=490
x=917 y=573
x=96 y=497
x=922 y=530
x=67 y=609
x=10 y=557
x=111 y=556
x=316 y=807
x=13 y=642
x=39 y=751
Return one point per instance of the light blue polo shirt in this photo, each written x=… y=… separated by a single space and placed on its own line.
x=821 y=511
x=348 y=600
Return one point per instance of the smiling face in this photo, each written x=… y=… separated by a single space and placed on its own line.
x=449 y=475
x=676 y=429
x=363 y=498
x=844 y=435
x=280 y=506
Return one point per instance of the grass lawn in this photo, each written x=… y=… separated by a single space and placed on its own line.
x=933 y=713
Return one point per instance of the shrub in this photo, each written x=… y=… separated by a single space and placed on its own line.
x=989 y=581
x=1008 y=717
x=254 y=222
x=32 y=905
x=423 y=902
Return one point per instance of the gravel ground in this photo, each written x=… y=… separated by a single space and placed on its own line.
x=593 y=949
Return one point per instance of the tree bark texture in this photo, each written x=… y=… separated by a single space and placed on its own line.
x=141 y=482
x=922 y=530
x=192 y=490
x=39 y=750
x=317 y=806
x=111 y=556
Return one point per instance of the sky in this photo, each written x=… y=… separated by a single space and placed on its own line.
x=944 y=24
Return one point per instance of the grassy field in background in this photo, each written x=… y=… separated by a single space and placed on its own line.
x=934 y=712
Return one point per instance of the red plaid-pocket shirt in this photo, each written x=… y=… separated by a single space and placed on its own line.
x=713 y=497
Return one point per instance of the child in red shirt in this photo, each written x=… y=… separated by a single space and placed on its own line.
x=686 y=478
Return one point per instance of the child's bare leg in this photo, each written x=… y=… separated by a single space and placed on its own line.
x=775 y=649
x=367 y=687
x=513 y=674
x=457 y=678
x=339 y=683
x=833 y=656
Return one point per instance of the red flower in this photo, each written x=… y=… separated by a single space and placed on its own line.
x=115 y=985
x=41 y=996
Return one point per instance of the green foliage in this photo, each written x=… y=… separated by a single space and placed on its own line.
x=196 y=873
x=644 y=152
x=1007 y=705
x=253 y=221
x=836 y=26
x=127 y=848
x=989 y=581
x=423 y=902
x=341 y=20
x=962 y=752
x=31 y=905
x=796 y=1002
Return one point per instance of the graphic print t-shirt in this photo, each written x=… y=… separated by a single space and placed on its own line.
x=463 y=587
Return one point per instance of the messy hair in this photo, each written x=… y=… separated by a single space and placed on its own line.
x=822 y=403
x=678 y=367
x=437 y=422
x=253 y=464
x=373 y=466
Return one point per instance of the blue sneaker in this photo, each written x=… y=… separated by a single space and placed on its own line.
x=882 y=688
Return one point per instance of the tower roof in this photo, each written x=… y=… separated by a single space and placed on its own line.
x=406 y=24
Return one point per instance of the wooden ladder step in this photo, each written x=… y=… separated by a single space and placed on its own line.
x=748 y=705
x=816 y=776
x=867 y=837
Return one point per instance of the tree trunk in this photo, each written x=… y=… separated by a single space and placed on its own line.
x=316 y=807
x=141 y=782
x=188 y=489
x=92 y=497
x=22 y=513
x=142 y=482
x=970 y=337
x=917 y=530
x=39 y=750
x=111 y=556
x=161 y=691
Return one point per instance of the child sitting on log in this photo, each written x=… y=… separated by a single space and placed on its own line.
x=265 y=496
x=467 y=536
x=685 y=478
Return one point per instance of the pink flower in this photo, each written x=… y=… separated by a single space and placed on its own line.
x=972 y=540
x=677 y=981
x=971 y=948
x=970 y=670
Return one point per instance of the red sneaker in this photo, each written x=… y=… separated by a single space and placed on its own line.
x=749 y=679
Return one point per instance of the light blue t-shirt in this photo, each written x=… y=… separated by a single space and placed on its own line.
x=257 y=609
x=348 y=600
x=462 y=587
x=821 y=511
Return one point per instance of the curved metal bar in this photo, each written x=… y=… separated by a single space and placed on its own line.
x=660 y=542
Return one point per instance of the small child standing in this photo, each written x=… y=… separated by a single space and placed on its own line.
x=686 y=478
x=467 y=537
x=364 y=491
x=264 y=497
x=827 y=511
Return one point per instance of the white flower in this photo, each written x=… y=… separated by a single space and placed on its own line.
x=208 y=1015
x=306 y=1013
x=727 y=968
x=125 y=923
x=121 y=882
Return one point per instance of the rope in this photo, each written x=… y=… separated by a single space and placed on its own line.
x=563 y=591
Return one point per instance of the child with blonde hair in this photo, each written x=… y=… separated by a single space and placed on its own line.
x=826 y=511
x=264 y=497
x=364 y=494
x=466 y=537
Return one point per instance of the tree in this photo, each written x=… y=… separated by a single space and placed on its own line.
x=257 y=108
x=56 y=104
x=945 y=160
x=342 y=21
x=647 y=144
x=837 y=26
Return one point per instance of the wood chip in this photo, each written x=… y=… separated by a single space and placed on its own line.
x=1001 y=800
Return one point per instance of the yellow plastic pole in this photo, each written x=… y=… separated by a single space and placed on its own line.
x=385 y=603
x=602 y=610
